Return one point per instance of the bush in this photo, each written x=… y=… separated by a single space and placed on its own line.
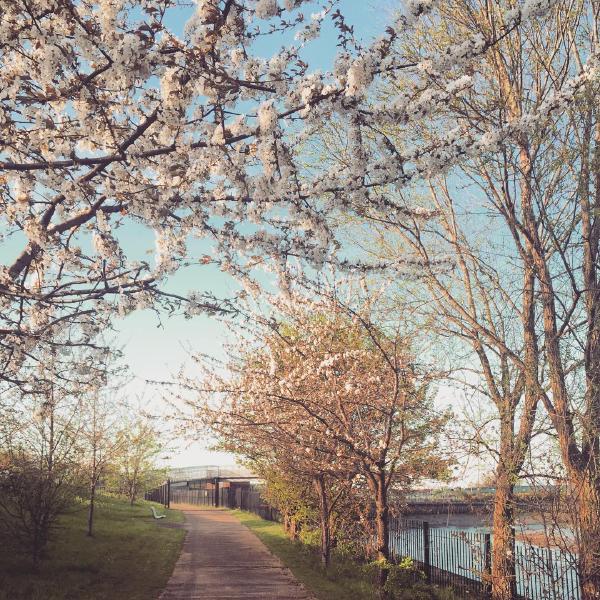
x=406 y=582
x=310 y=536
x=32 y=497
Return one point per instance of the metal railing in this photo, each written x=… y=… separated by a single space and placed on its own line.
x=462 y=560
x=191 y=496
x=252 y=501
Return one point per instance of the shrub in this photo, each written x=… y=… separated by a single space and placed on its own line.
x=32 y=497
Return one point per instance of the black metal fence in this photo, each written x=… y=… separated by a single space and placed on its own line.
x=462 y=560
x=191 y=496
x=233 y=497
x=546 y=573
x=252 y=501
x=161 y=494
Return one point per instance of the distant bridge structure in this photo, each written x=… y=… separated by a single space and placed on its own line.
x=475 y=500
x=236 y=486
x=207 y=472
x=209 y=485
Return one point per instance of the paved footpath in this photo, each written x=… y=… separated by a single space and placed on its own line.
x=223 y=560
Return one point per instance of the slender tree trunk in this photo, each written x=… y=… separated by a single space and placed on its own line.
x=36 y=548
x=290 y=526
x=513 y=447
x=382 y=530
x=382 y=526
x=325 y=520
x=294 y=529
x=503 y=558
x=583 y=465
x=587 y=477
x=286 y=524
x=132 y=493
x=93 y=479
x=91 y=507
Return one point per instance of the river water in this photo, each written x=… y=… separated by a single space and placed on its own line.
x=457 y=545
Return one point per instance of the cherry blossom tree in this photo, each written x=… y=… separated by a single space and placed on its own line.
x=111 y=120
x=278 y=433
x=335 y=390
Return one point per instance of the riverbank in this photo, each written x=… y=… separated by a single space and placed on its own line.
x=529 y=528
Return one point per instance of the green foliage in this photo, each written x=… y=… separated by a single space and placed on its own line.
x=310 y=536
x=351 y=548
x=130 y=557
x=134 y=470
x=400 y=576
x=289 y=494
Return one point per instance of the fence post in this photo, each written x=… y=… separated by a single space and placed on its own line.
x=427 y=551
x=216 y=499
x=168 y=493
x=550 y=567
x=487 y=565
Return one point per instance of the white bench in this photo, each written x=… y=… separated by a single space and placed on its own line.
x=155 y=515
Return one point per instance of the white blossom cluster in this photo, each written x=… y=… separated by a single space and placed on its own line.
x=107 y=117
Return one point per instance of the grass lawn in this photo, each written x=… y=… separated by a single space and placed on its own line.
x=344 y=580
x=130 y=557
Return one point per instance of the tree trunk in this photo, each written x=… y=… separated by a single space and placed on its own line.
x=132 y=493
x=36 y=549
x=382 y=531
x=294 y=529
x=290 y=526
x=503 y=548
x=286 y=524
x=325 y=522
x=587 y=499
x=40 y=528
x=588 y=484
x=91 y=508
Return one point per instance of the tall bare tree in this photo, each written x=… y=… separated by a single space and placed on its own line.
x=518 y=224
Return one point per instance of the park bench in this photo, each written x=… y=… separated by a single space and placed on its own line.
x=155 y=515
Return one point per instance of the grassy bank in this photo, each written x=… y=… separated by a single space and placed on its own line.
x=131 y=556
x=344 y=580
